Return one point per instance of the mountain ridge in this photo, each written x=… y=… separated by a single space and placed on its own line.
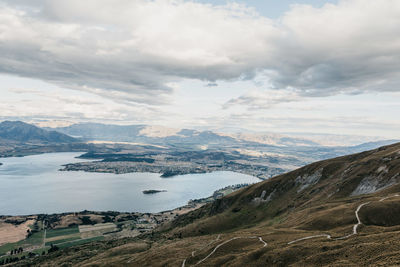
x=18 y=131
x=162 y=135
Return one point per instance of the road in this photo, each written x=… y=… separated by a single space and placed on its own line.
x=44 y=235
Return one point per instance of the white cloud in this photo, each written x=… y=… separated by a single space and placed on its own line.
x=131 y=46
x=138 y=47
x=130 y=60
x=54 y=103
x=350 y=47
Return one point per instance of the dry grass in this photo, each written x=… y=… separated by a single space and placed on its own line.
x=67 y=220
x=10 y=233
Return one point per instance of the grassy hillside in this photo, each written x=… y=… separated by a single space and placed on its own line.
x=314 y=184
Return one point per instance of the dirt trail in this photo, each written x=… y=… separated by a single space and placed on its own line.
x=234 y=238
x=223 y=243
x=309 y=237
x=355 y=226
x=215 y=240
x=328 y=236
x=397 y=195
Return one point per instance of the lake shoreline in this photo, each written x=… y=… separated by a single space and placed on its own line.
x=37 y=181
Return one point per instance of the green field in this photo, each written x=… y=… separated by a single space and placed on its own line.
x=80 y=242
x=62 y=231
x=68 y=237
x=55 y=242
x=35 y=239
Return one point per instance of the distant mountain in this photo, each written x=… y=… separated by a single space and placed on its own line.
x=273 y=142
x=372 y=145
x=334 y=139
x=17 y=131
x=272 y=139
x=143 y=134
x=165 y=135
x=104 y=132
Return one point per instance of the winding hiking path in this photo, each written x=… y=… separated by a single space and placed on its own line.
x=233 y=238
x=215 y=240
x=223 y=243
x=328 y=236
x=194 y=251
x=355 y=226
x=397 y=195
x=309 y=237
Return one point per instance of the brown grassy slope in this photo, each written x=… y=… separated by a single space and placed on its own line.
x=339 y=178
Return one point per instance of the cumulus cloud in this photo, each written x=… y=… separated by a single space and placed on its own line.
x=132 y=50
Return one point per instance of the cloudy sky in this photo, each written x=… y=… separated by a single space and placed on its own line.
x=272 y=66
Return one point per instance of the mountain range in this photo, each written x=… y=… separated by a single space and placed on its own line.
x=17 y=138
x=142 y=134
x=164 y=135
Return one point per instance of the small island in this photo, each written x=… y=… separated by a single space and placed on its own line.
x=153 y=191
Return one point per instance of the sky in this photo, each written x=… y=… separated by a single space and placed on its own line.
x=306 y=66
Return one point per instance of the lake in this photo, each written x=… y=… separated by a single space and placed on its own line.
x=33 y=184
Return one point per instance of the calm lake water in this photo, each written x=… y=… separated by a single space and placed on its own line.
x=33 y=184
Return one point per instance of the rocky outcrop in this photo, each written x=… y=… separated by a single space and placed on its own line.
x=307 y=180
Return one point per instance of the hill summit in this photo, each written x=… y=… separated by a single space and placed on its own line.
x=19 y=131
